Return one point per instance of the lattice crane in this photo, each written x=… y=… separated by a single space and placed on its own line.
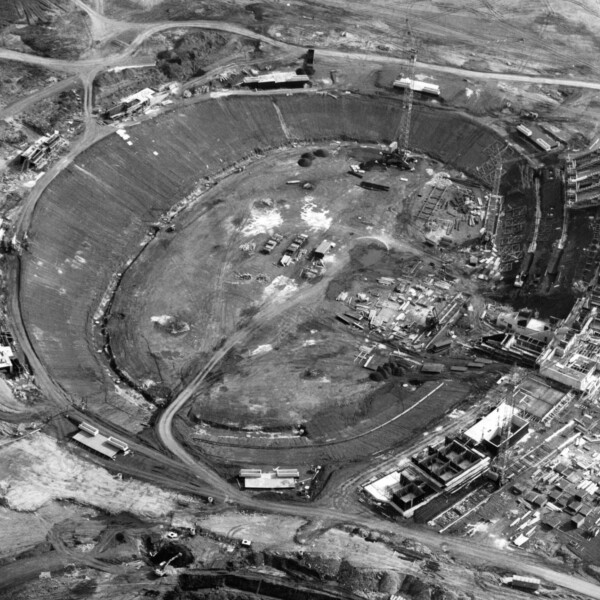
x=409 y=94
x=496 y=189
x=504 y=452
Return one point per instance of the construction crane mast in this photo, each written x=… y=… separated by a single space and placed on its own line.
x=496 y=197
x=504 y=453
x=409 y=93
x=492 y=170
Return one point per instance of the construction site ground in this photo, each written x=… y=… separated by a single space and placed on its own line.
x=266 y=373
x=215 y=255
x=162 y=336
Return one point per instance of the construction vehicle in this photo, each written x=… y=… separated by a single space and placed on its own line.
x=162 y=569
x=292 y=249
x=271 y=243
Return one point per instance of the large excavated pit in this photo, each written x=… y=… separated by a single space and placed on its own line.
x=93 y=217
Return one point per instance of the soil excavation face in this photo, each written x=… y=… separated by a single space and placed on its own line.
x=195 y=286
x=92 y=218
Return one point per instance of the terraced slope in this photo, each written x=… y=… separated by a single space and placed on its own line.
x=93 y=217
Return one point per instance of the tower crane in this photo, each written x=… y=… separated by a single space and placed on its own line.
x=399 y=148
x=496 y=197
x=492 y=170
x=407 y=104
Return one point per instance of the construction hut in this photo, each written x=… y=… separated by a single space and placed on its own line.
x=256 y=479
x=526 y=583
x=488 y=431
x=322 y=249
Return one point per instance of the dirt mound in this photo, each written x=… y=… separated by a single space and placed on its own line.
x=190 y=54
x=33 y=11
x=257 y=9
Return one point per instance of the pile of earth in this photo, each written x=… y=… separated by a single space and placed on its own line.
x=190 y=54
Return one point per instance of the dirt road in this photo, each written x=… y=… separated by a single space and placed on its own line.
x=147 y=30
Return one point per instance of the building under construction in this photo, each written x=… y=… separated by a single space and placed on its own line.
x=573 y=356
x=583 y=181
x=135 y=103
x=453 y=463
x=37 y=155
x=438 y=469
x=488 y=432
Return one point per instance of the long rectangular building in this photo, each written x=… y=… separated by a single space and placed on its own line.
x=537 y=136
x=417 y=86
x=277 y=79
x=109 y=447
x=269 y=481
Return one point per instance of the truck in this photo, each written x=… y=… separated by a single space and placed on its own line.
x=271 y=243
x=293 y=248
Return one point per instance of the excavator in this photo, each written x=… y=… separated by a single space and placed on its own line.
x=161 y=570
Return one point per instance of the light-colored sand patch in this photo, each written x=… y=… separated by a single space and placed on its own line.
x=148 y=3
x=439 y=179
x=280 y=289
x=279 y=532
x=162 y=320
x=21 y=531
x=36 y=470
x=262 y=349
x=315 y=219
x=261 y=529
x=262 y=221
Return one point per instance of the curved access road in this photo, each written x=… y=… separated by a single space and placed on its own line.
x=150 y=29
